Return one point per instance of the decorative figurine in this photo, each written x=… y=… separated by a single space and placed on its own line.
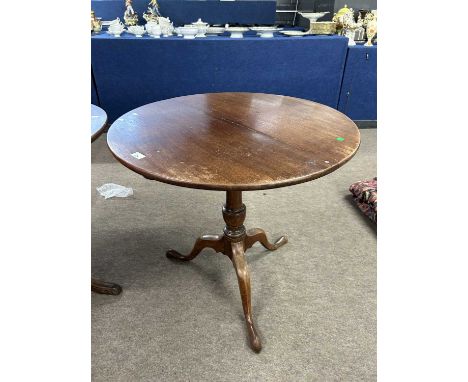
x=350 y=26
x=130 y=17
x=363 y=13
x=338 y=19
x=167 y=28
x=152 y=13
x=360 y=31
x=371 y=29
x=96 y=23
x=345 y=24
x=368 y=17
x=202 y=28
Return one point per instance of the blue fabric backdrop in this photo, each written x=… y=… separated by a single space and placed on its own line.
x=188 y=11
x=94 y=97
x=358 y=97
x=131 y=71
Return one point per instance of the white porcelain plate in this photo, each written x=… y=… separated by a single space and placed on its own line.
x=294 y=33
x=237 y=29
x=264 y=29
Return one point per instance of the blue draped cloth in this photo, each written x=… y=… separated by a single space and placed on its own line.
x=358 y=98
x=132 y=71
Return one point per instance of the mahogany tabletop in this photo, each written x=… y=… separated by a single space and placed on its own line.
x=98 y=121
x=233 y=141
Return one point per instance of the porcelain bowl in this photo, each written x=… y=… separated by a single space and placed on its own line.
x=313 y=16
x=188 y=32
x=199 y=23
x=137 y=30
x=201 y=31
x=114 y=23
x=294 y=33
x=150 y=25
x=164 y=21
x=167 y=30
x=116 y=30
x=153 y=29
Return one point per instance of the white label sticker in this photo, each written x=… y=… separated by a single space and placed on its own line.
x=138 y=155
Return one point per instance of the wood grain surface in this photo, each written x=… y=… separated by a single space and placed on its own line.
x=234 y=141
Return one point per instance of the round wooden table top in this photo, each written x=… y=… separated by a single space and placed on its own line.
x=233 y=141
x=98 y=121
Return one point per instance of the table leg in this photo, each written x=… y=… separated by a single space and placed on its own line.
x=103 y=287
x=257 y=234
x=243 y=278
x=235 y=241
x=206 y=241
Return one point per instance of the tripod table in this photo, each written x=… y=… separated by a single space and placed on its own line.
x=233 y=142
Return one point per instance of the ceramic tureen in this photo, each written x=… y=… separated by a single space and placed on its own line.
x=188 y=31
x=167 y=28
x=153 y=29
x=202 y=27
x=116 y=28
x=137 y=30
